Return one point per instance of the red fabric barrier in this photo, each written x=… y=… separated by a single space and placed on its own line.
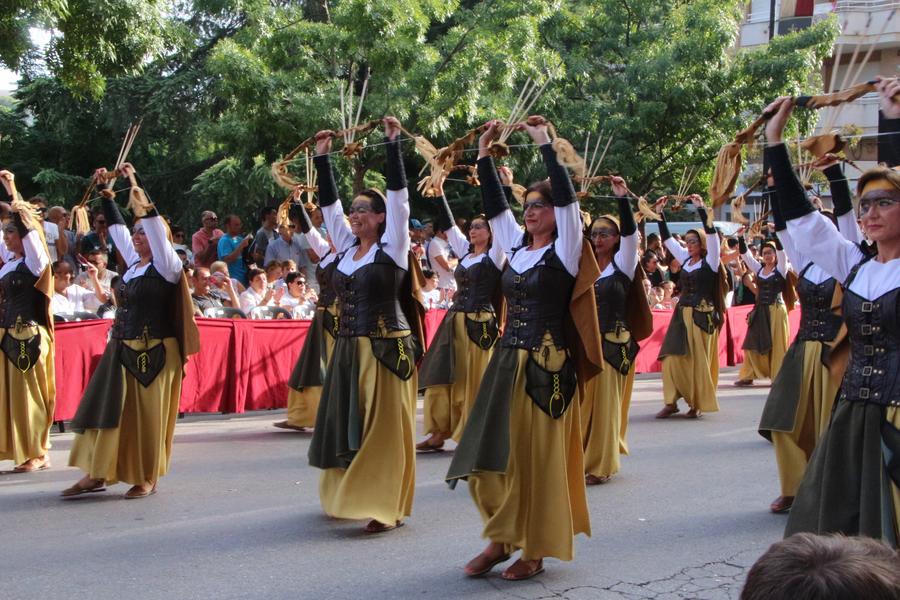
x=433 y=320
x=78 y=350
x=737 y=325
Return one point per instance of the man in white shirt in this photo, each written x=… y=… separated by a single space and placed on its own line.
x=70 y=298
x=97 y=261
x=65 y=246
x=293 y=246
x=438 y=254
x=56 y=243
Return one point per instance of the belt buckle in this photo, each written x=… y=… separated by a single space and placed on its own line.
x=864 y=393
x=866 y=307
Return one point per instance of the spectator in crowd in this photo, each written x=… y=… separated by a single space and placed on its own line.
x=668 y=300
x=290 y=246
x=69 y=297
x=268 y=216
x=203 y=297
x=97 y=260
x=655 y=244
x=805 y=566
x=437 y=254
x=259 y=293
x=298 y=298
x=61 y=218
x=652 y=268
x=204 y=243
x=231 y=248
x=416 y=241
x=275 y=274
x=656 y=297
x=107 y=310
x=431 y=294
x=178 y=238
x=648 y=289
x=57 y=243
x=221 y=268
x=98 y=239
x=288 y=266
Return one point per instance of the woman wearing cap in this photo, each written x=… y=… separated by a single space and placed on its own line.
x=454 y=365
x=125 y=423
x=852 y=484
x=306 y=379
x=690 y=350
x=364 y=439
x=28 y=387
x=768 y=332
x=528 y=402
x=624 y=319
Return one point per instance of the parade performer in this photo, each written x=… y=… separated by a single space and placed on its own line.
x=454 y=365
x=364 y=439
x=624 y=318
x=799 y=404
x=852 y=484
x=305 y=383
x=26 y=337
x=768 y=332
x=125 y=423
x=690 y=350
x=528 y=402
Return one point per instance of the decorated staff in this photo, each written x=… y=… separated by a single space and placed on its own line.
x=364 y=438
x=125 y=423
x=26 y=336
x=690 y=350
x=852 y=485
x=624 y=318
x=454 y=365
x=528 y=403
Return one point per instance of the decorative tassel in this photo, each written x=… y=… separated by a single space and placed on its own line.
x=138 y=203
x=81 y=221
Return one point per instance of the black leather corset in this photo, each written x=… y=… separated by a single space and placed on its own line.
x=325 y=277
x=146 y=306
x=20 y=299
x=769 y=289
x=817 y=322
x=698 y=286
x=369 y=299
x=537 y=302
x=873 y=328
x=476 y=285
x=611 y=294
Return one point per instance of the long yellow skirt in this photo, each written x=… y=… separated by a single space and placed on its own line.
x=626 y=406
x=762 y=366
x=448 y=406
x=602 y=421
x=380 y=481
x=138 y=451
x=29 y=399
x=695 y=375
x=817 y=394
x=539 y=504
x=303 y=405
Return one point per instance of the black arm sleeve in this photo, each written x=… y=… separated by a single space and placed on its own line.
x=328 y=193
x=492 y=196
x=742 y=245
x=663 y=227
x=791 y=195
x=395 y=172
x=297 y=214
x=507 y=191
x=889 y=142
x=111 y=212
x=775 y=203
x=444 y=219
x=627 y=224
x=708 y=228
x=562 y=191
x=778 y=245
x=840 y=190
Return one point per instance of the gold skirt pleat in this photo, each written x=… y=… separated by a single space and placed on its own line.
x=695 y=375
x=766 y=366
x=602 y=421
x=138 y=451
x=626 y=406
x=380 y=481
x=893 y=416
x=539 y=504
x=817 y=394
x=448 y=406
x=304 y=405
x=28 y=402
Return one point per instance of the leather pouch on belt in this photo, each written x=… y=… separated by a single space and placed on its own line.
x=619 y=351
x=399 y=355
x=483 y=334
x=706 y=319
x=144 y=364
x=330 y=323
x=23 y=349
x=551 y=391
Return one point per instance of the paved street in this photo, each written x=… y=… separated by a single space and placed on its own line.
x=238 y=517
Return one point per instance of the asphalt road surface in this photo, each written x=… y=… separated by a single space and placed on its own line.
x=238 y=516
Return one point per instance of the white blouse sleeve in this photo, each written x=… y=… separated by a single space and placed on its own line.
x=827 y=248
x=318 y=243
x=569 y=241
x=680 y=253
x=165 y=259
x=36 y=257
x=713 y=250
x=782 y=264
x=627 y=256
x=338 y=228
x=796 y=262
x=396 y=231
x=753 y=264
x=458 y=241
x=497 y=255
x=506 y=231
x=849 y=227
x=121 y=238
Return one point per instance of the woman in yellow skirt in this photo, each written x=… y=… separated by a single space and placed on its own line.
x=305 y=383
x=364 y=439
x=768 y=333
x=690 y=350
x=521 y=449
x=621 y=313
x=454 y=365
x=125 y=422
x=27 y=376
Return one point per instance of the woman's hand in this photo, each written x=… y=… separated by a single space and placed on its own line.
x=391 y=128
x=127 y=171
x=506 y=176
x=829 y=160
x=890 y=96
x=536 y=127
x=660 y=204
x=491 y=133
x=782 y=108
x=91 y=271
x=323 y=141
x=619 y=187
x=697 y=201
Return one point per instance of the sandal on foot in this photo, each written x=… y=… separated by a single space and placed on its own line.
x=782 y=504
x=426 y=447
x=667 y=411
x=286 y=425
x=33 y=464
x=139 y=491
x=379 y=527
x=520 y=571
x=483 y=563
x=693 y=414
x=77 y=490
x=594 y=480
x=743 y=382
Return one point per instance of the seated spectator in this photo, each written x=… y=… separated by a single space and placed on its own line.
x=290 y=246
x=431 y=295
x=69 y=297
x=220 y=267
x=107 y=310
x=98 y=239
x=259 y=293
x=650 y=262
x=274 y=274
x=814 y=567
x=178 y=238
x=656 y=297
x=202 y=296
x=299 y=299
x=97 y=258
x=668 y=300
x=288 y=266
x=648 y=289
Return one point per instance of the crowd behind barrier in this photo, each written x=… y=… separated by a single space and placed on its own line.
x=245 y=364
